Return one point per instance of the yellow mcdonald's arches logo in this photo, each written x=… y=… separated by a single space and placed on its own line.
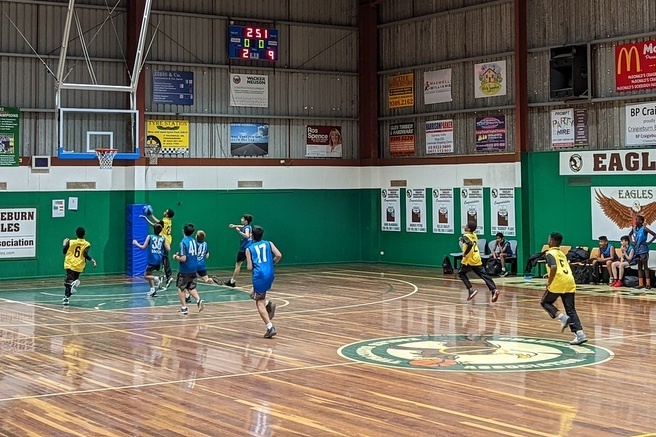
x=628 y=57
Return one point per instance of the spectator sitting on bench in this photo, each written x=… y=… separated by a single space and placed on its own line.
x=627 y=258
x=502 y=251
x=606 y=257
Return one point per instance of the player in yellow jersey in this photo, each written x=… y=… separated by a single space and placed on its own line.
x=561 y=284
x=472 y=262
x=77 y=255
x=166 y=223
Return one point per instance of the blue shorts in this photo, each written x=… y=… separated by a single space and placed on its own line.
x=262 y=285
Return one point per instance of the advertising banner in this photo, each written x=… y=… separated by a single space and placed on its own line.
x=249 y=90
x=641 y=125
x=171 y=135
x=439 y=137
x=614 y=210
x=490 y=79
x=323 y=142
x=401 y=91
x=402 y=139
x=18 y=233
x=249 y=139
x=173 y=87
x=635 y=66
x=437 y=86
x=9 y=136
x=443 y=220
x=491 y=133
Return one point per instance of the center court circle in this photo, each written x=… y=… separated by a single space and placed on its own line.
x=475 y=353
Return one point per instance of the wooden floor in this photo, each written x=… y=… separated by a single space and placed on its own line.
x=361 y=350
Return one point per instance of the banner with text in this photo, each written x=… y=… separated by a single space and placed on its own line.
x=18 y=233
x=415 y=210
x=173 y=87
x=171 y=135
x=402 y=139
x=614 y=209
x=9 y=136
x=641 y=124
x=443 y=222
x=569 y=128
x=608 y=162
x=491 y=133
x=490 y=79
x=635 y=66
x=439 y=137
x=401 y=91
x=249 y=139
x=323 y=142
x=472 y=209
x=390 y=206
x=249 y=90
x=502 y=211
x=437 y=86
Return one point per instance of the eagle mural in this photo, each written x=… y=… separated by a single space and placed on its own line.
x=624 y=216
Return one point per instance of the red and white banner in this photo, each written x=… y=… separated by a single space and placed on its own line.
x=635 y=66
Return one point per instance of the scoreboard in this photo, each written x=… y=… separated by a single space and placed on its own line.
x=255 y=43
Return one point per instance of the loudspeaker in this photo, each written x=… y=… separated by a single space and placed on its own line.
x=568 y=72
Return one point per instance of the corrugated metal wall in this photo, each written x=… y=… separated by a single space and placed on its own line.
x=421 y=35
x=314 y=81
x=435 y=35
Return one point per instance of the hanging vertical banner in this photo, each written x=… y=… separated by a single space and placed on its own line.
x=439 y=137
x=502 y=211
x=490 y=79
x=391 y=209
x=402 y=139
x=471 y=208
x=491 y=133
x=443 y=222
x=401 y=91
x=250 y=90
x=415 y=210
x=581 y=128
x=437 y=86
x=9 y=134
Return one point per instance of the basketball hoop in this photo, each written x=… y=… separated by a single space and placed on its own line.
x=106 y=157
x=152 y=153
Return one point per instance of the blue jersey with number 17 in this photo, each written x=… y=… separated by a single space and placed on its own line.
x=262 y=259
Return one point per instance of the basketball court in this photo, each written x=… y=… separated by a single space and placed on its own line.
x=361 y=350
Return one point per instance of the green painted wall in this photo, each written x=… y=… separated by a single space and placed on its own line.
x=309 y=226
x=564 y=203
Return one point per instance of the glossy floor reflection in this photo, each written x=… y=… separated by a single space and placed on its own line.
x=362 y=350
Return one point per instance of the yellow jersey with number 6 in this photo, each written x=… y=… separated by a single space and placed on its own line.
x=563 y=282
x=74 y=259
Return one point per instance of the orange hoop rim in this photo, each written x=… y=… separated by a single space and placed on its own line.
x=106 y=150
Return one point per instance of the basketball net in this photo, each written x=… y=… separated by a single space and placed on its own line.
x=106 y=157
x=152 y=153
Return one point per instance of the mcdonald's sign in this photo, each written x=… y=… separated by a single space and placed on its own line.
x=635 y=66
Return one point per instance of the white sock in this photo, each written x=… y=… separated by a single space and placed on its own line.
x=503 y=269
x=266 y=302
x=152 y=289
x=269 y=325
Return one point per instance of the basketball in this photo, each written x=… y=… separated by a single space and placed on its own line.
x=148 y=210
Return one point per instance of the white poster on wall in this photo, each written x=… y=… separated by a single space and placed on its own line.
x=18 y=233
x=443 y=222
x=250 y=90
x=471 y=208
x=641 y=125
x=614 y=209
x=437 y=86
x=439 y=137
x=415 y=210
x=562 y=128
x=490 y=79
x=390 y=206
x=502 y=211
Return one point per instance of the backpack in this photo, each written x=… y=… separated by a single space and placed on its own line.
x=493 y=266
x=630 y=281
x=447 y=268
x=577 y=255
x=533 y=261
x=582 y=274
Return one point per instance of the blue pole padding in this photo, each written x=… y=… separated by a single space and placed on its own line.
x=137 y=229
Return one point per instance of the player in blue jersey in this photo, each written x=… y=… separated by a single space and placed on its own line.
x=157 y=245
x=261 y=256
x=244 y=230
x=186 y=281
x=638 y=235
